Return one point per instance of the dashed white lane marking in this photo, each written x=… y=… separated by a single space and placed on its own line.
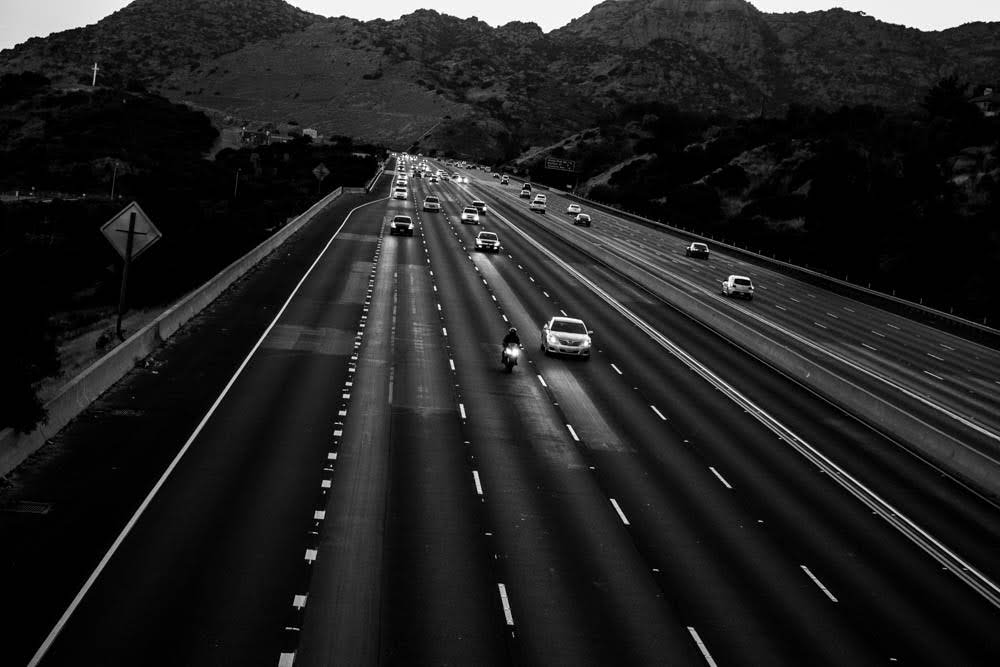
x=616 y=369
x=299 y=601
x=493 y=297
x=311 y=555
x=342 y=413
x=439 y=307
x=332 y=456
x=461 y=409
x=880 y=335
x=621 y=514
x=873 y=349
x=936 y=377
x=934 y=356
x=658 y=413
x=780 y=307
x=531 y=279
x=451 y=362
x=794 y=299
x=572 y=432
x=892 y=326
x=701 y=647
x=444 y=331
x=850 y=310
x=720 y=477
x=319 y=515
x=947 y=347
x=542 y=380
x=819 y=325
x=479 y=485
x=818 y=583
x=546 y=294
x=504 y=317
x=286 y=660
x=327 y=483
x=833 y=316
x=564 y=313
x=506 y=604
x=337 y=433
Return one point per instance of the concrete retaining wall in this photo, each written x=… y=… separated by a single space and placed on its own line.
x=85 y=388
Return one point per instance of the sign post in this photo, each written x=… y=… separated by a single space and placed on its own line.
x=130 y=233
x=555 y=164
x=320 y=172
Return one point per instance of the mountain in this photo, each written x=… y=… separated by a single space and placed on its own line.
x=148 y=39
x=461 y=85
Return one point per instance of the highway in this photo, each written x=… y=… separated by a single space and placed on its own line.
x=331 y=467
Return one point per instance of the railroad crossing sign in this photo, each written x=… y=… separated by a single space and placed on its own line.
x=130 y=233
x=131 y=237
x=556 y=164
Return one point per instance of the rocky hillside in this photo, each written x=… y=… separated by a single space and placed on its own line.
x=463 y=86
x=148 y=39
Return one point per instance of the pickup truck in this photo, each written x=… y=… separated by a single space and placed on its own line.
x=739 y=286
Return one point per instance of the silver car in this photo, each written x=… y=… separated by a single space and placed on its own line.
x=566 y=335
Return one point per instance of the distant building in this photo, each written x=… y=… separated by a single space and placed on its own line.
x=988 y=103
x=311 y=133
x=253 y=138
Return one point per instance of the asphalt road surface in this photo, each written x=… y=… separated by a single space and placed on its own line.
x=330 y=466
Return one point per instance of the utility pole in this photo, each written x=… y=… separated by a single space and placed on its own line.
x=93 y=81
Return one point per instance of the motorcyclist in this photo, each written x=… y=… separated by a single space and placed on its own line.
x=510 y=339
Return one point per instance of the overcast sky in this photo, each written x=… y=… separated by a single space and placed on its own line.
x=22 y=19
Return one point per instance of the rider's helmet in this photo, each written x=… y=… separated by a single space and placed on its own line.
x=512 y=330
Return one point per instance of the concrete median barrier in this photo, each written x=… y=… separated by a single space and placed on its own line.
x=85 y=388
x=898 y=420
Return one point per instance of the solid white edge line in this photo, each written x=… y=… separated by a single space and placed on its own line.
x=701 y=647
x=506 y=604
x=479 y=485
x=720 y=477
x=818 y=583
x=972 y=576
x=43 y=649
x=621 y=514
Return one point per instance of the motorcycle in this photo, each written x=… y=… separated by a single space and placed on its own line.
x=510 y=355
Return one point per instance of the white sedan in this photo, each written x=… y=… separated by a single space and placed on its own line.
x=470 y=215
x=566 y=335
x=573 y=209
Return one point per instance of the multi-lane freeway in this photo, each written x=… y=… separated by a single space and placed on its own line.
x=330 y=466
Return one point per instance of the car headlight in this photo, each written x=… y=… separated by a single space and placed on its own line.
x=552 y=340
x=586 y=342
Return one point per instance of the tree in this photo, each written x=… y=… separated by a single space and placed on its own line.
x=946 y=99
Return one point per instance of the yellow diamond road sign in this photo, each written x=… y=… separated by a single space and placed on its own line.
x=144 y=234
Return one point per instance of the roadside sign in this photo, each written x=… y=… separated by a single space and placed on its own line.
x=143 y=233
x=556 y=164
x=321 y=172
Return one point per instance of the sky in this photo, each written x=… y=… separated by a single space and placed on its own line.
x=22 y=19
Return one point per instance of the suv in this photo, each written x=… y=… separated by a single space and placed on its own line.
x=487 y=241
x=432 y=203
x=504 y=180
x=525 y=193
x=470 y=215
x=582 y=219
x=697 y=250
x=480 y=206
x=401 y=224
x=738 y=286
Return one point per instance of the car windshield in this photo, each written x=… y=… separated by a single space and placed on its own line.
x=584 y=216
x=699 y=246
x=401 y=218
x=488 y=236
x=469 y=209
x=478 y=204
x=742 y=281
x=565 y=326
x=431 y=200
